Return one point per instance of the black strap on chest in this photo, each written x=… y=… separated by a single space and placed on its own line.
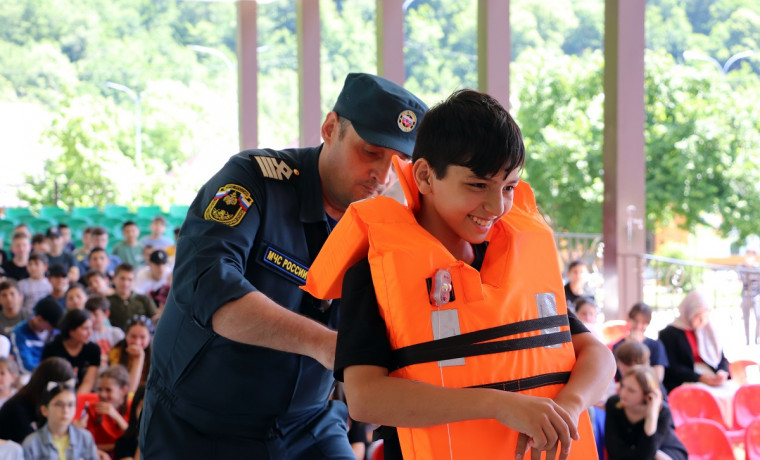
x=481 y=342
x=528 y=383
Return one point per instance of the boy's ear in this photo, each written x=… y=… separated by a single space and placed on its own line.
x=423 y=175
x=43 y=410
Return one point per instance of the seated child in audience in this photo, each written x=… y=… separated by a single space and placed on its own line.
x=21 y=247
x=40 y=244
x=134 y=351
x=73 y=344
x=98 y=260
x=59 y=438
x=586 y=310
x=11 y=301
x=76 y=296
x=8 y=379
x=128 y=249
x=157 y=239
x=83 y=251
x=103 y=334
x=639 y=426
x=59 y=280
x=19 y=416
x=30 y=336
x=68 y=244
x=639 y=317
x=37 y=285
x=126 y=446
x=98 y=283
x=108 y=418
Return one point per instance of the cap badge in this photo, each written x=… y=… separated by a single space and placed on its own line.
x=407 y=120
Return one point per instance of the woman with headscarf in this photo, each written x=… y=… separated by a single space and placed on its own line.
x=692 y=346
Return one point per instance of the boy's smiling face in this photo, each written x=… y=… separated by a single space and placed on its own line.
x=464 y=206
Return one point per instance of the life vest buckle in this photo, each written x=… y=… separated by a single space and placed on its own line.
x=440 y=291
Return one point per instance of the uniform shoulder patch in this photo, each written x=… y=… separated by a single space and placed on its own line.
x=229 y=205
x=274 y=168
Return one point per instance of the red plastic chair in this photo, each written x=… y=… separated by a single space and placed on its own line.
x=691 y=402
x=752 y=441
x=379 y=452
x=614 y=330
x=738 y=370
x=705 y=440
x=746 y=405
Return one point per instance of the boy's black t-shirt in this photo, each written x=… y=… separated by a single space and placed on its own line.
x=362 y=338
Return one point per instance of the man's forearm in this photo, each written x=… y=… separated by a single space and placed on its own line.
x=255 y=319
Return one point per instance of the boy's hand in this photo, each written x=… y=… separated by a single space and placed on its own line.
x=542 y=424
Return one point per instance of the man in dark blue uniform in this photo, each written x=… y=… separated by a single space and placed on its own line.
x=242 y=358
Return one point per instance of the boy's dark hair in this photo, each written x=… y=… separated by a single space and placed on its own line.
x=9 y=283
x=92 y=272
x=125 y=267
x=72 y=320
x=127 y=223
x=640 y=308
x=94 y=250
x=159 y=218
x=583 y=300
x=38 y=256
x=86 y=230
x=19 y=236
x=631 y=352
x=574 y=264
x=97 y=302
x=97 y=231
x=38 y=238
x=63 y=225
x=473 y=130
x=76 y=285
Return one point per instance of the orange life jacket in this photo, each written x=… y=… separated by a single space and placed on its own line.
x=511 y=315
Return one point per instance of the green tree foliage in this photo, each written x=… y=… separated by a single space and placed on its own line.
x=701 y=133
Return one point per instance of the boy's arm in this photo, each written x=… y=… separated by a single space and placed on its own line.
x=374 y=396
x=593 y=371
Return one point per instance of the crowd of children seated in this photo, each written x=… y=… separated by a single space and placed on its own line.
x=76 y=326
x=75 y=331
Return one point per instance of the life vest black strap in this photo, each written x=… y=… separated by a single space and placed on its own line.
x=469 y=344
x=529 y=383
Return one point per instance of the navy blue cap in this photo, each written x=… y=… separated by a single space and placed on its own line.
x=382 y=112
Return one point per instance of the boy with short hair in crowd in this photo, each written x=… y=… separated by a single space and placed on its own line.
x=82 y=252
x=29 y=337
x=57 y=254
x=59 y=280
x=68 y=244
x=11 y=300
x=437 y=278
x=15 y=267
x=37 y=285
x=129 y=249
x=105 y=335
x=125 y=303
x=157 y=239
x=155 y=275
x=40 y=244
x=98 y=283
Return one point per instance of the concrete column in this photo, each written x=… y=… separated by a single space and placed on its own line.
x=390 y=40
x=248 y=70
x=624 y=162
x=494 y=49
x=309 y=100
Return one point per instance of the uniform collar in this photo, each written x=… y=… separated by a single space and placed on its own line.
x=310 y=188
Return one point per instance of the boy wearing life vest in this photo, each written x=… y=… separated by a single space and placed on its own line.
x=454 y=325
